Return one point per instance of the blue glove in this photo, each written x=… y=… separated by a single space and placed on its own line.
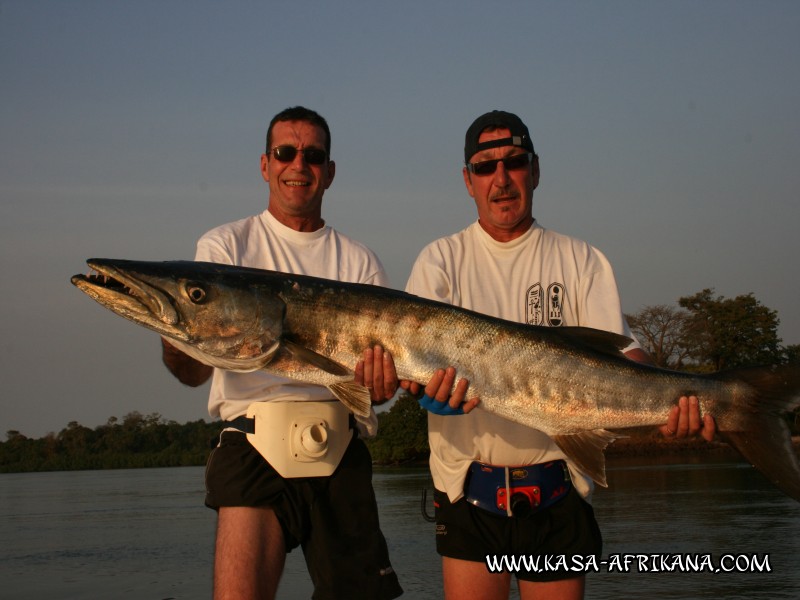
x=438 y=408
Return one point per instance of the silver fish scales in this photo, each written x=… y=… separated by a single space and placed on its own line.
x=572 y=383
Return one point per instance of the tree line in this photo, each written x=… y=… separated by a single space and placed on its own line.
x=703 y=333
x=147 y=441
x=137 y=441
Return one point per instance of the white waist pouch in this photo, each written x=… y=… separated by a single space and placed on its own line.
x=301 y=439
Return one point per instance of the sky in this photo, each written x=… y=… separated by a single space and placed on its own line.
x=668 y=136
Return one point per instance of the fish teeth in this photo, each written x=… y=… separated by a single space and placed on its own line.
x=109 y=282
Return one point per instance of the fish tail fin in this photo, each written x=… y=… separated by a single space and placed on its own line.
x=355 y=397
x=758 y=429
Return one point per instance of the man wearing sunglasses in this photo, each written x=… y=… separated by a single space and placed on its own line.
x=508 y=265
x=267 y=502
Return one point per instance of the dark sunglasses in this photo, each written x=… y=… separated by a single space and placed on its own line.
x=286 y=154
x=511 y=163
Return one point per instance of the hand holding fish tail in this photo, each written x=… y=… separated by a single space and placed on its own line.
x=684 y=418
x=684 y=421
x=377 y=373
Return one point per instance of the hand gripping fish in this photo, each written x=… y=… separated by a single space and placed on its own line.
x=572 y=383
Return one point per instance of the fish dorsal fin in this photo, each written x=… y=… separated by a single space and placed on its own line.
x=585 y=449
x=353 y=396
x=306 y=355
x=595 y=339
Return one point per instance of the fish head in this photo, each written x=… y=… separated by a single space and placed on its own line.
x=219 y=314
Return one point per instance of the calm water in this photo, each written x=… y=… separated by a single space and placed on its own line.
x=144 y=534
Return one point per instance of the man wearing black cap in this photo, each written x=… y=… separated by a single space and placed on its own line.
x=507 y=265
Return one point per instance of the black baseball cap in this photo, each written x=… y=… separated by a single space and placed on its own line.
x=497 y=118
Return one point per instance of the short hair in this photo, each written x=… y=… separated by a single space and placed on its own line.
x=300 y=113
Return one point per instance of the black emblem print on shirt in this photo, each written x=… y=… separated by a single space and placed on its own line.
x=555 y=295
x=534 y=301
x=545 y=307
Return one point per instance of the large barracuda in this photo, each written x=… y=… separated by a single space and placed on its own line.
x=574 y=384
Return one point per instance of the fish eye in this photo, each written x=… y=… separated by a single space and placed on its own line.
x=195 y=292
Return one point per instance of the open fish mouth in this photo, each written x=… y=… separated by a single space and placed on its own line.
x=134 y=298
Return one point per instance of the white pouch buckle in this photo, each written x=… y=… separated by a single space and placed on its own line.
x=302 y=438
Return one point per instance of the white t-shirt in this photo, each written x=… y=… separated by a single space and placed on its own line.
x=261 y=241
x=541 y=278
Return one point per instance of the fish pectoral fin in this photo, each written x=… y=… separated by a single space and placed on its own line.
x=315 y=359
x=586 y=450
x=353 y=396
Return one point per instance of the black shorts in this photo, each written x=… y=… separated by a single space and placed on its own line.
x=567 y=528
x=334 y=519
